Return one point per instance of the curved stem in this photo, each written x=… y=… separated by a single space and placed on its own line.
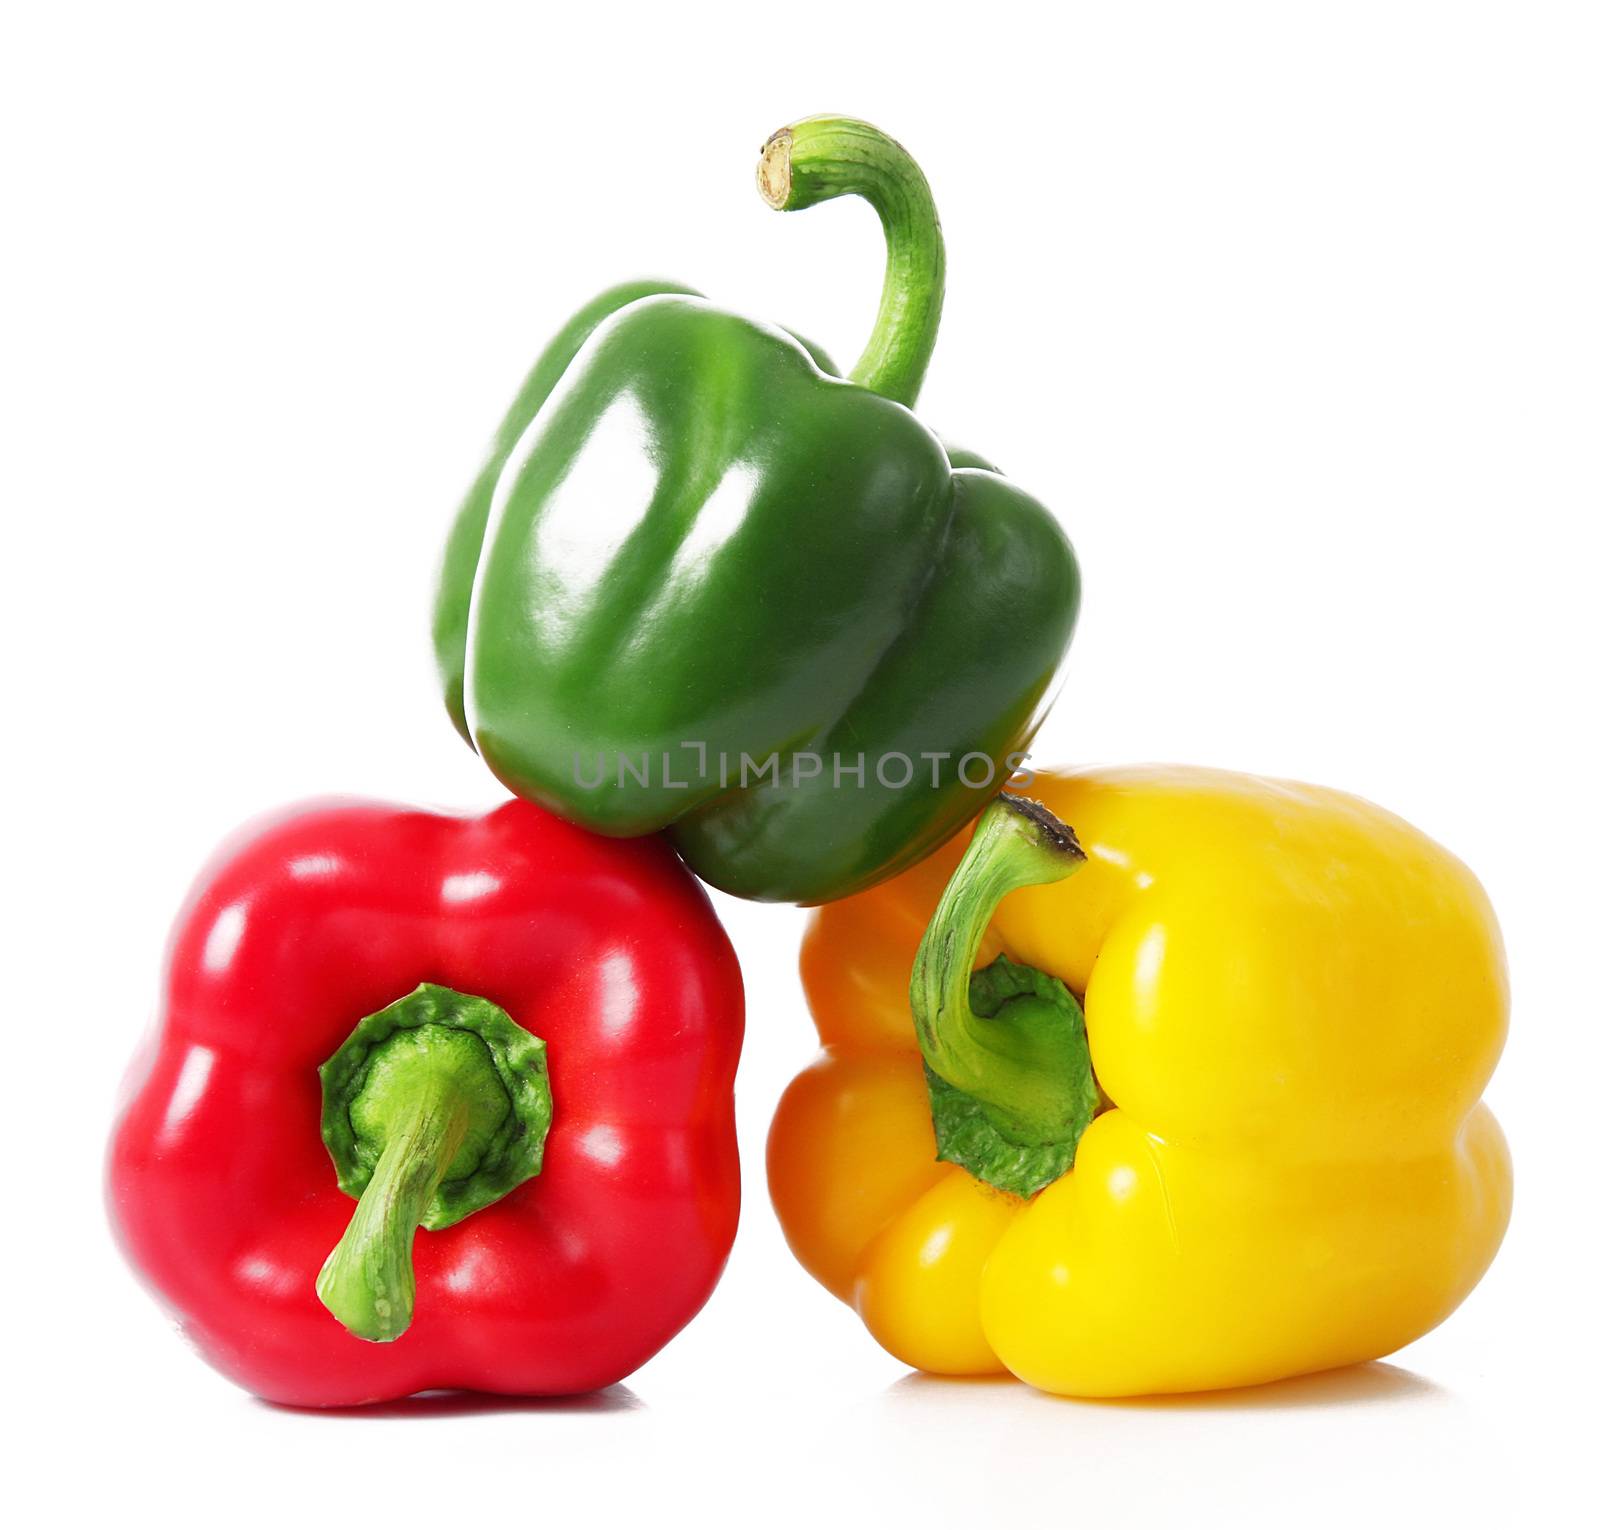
x=825 y=157
x=367 y=1281
x=1025 y=1060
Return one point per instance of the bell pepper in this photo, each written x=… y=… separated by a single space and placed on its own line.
x=1205 y=1115
x=511 y=1034
x=701 y=585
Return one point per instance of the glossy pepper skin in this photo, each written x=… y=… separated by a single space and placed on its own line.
x=703 y=585
x=1293 y=1001
x=225 y=1198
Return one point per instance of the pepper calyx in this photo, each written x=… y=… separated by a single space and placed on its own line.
x=979 y=1139
x=433 y=1108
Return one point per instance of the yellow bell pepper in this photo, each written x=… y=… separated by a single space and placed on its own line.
x=1291 y=1001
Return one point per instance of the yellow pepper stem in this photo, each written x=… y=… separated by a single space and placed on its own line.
x=1010 y=1081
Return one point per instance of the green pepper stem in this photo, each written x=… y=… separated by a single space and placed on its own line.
x=367 y=1281
x=1025 y=1063
x=825 y=157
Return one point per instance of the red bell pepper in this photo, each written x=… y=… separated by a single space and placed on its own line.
x=413 y=954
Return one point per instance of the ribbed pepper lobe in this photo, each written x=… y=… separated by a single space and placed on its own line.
x=701 y=542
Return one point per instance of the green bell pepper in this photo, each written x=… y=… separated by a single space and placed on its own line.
x=705 y=586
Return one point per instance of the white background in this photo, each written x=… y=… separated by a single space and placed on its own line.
x=1289 y=311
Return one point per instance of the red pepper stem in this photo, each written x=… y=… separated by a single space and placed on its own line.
x=434 y=1107
x=367 y=1281
x=825 y=157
